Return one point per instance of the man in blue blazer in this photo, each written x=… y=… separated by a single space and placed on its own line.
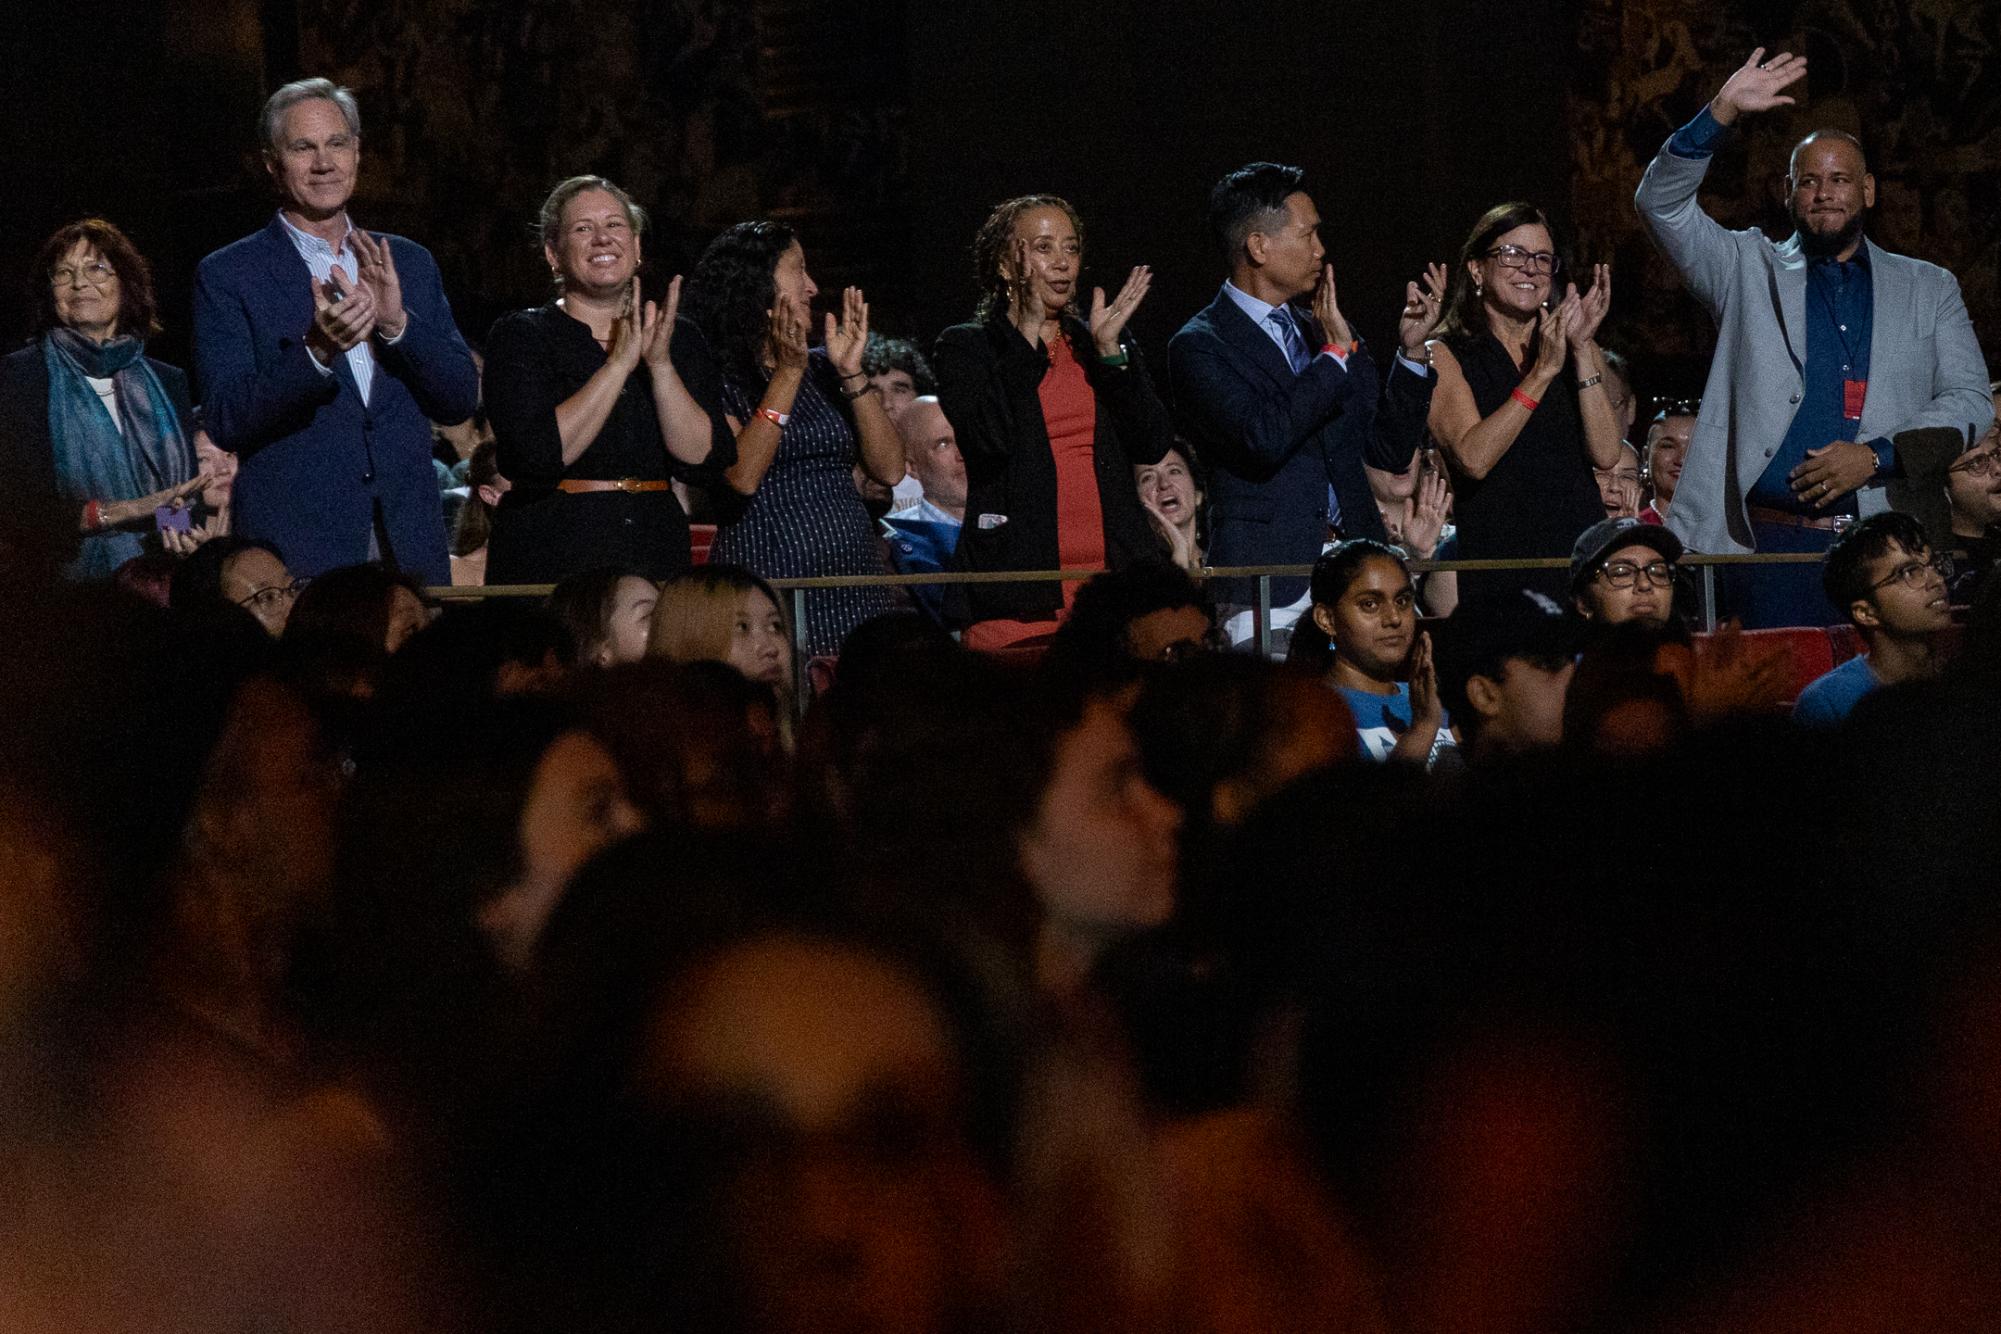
x=1281 y=404
x=324 y=354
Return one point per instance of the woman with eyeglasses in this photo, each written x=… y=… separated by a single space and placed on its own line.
x=1520 y=410
x=98 y=437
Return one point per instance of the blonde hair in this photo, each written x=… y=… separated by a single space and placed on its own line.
x=695 y=619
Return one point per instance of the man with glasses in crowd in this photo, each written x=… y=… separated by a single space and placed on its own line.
x=1622 y=571
x=1973 y=490
x=1827 y=348
x=1882 y=572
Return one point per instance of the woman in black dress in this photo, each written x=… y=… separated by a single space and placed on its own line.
x=1520 y=436
x=802 y=420
x=589 y=445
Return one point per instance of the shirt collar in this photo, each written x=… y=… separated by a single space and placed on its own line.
x=1259 y=311
x=1860 y=259
x=308 y=240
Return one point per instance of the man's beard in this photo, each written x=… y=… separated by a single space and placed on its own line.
x=1815 y=244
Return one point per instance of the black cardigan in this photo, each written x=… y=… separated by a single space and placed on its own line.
x=989 y=377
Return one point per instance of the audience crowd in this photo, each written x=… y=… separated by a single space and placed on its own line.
x=995 y=956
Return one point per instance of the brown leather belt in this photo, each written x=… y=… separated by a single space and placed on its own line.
x=579 y=486
x=1827 y=523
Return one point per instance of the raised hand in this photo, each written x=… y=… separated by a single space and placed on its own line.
x=1025 y=309
x=1327 y=309
x=375 y=267
x=1591 y=308
x=1109 y=321
x=1755 y=85
x=1427 y=714
x=218 y=470
x=847 y=339
x=1422 y=308
x=1427 y=514
x=1180 y=549
x=343 y=315
x=787 y=335
x=628 y=332
x=656 y=328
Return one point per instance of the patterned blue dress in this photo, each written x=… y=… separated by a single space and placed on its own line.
x=806 y=519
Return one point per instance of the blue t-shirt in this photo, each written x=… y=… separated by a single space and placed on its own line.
x=1826 y=702
x=1372 y=722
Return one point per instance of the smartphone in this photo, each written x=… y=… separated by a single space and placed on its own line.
x=174 y=518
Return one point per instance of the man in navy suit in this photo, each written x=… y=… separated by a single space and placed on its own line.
x=1283 y=404
x=324 y=354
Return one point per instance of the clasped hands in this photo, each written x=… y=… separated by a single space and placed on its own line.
x=1832 y=471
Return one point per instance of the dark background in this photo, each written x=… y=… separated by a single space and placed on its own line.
x=886 y=131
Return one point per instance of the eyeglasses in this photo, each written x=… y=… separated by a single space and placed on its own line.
x=265 y=598
x=97 y=273
x=1514 y=257
x=1625 y=574
x=1912 y=574
x=1978 y=464
x=1618 y=474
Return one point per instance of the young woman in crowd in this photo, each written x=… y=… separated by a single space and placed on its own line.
x=724 y=613
x=591 y=413
x=1365 y=637
x=802 y=420
x=473 y=530
x=609 y=614
x=92 y=424
x=1052 y=407
x=1521 y=411
x=1171 y=490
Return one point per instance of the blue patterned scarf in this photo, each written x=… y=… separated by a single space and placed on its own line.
x=94 y=460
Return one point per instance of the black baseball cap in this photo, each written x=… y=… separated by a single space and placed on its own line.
x=1606 y=536
x=1482 y=633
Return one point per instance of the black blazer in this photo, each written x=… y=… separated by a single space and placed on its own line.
x=27 y=455
x=989 y=377
x=1274 y=440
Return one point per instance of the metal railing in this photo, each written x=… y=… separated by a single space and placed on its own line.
x=1261 y=611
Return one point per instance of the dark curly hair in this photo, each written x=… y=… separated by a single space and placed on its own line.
x=990 y=243
x=1463 y=315
x=138 y=310
x=729 y=294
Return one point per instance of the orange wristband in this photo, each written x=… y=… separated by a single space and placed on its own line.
x=1523 y=399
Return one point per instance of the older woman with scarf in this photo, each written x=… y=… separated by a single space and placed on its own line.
x=98 y=433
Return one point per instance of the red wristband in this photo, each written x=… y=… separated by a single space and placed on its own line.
x=1342 y=352
x=774 y=416
x=1523 y=399
x=93 y=516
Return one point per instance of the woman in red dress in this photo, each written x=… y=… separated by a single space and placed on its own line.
x=1052 y=408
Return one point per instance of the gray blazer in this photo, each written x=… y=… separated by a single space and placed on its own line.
x=1925 y=368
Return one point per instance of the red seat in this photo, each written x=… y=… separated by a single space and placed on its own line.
x=701 y=536
x=1809 y=653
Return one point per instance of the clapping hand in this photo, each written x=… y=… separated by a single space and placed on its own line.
x=375 y=267
x=1588 y=311
x=1553 y=338
x=1427 y=714
x=343 y=315
x=1422 y=307
x=657 y=327
x=1327 y=309
x=1109 y=321
x=1755 y=85
x=787 y=334
x=847 y=338
x=629 y=331
x=1180 y=549
x=1427 y=514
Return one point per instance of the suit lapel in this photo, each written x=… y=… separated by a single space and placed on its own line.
x=292 y=292
x=1890 y=297
x=1241 y=332
x=1789 y=298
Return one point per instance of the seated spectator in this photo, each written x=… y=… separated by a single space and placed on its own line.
x=347 y=624
x=1973 y=486
x=1619 y=391
x=1624 y=570
x=474 y=526
x=1504 y=666
x=1174 y=497
x=899 y=372
x=609 y=614
x=1364 y=636
x=1667 y=446
x=242 y=572
x=1123 y=619
x=1619 y=485
x=923 y=533
x=1883 y=573
x=724 y=613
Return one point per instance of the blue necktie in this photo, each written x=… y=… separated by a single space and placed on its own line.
x=1289 y=340
x=1287 y=328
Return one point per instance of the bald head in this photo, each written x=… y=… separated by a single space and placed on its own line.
x=931 y=451
x=1826 y=136
x=1832 y=190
